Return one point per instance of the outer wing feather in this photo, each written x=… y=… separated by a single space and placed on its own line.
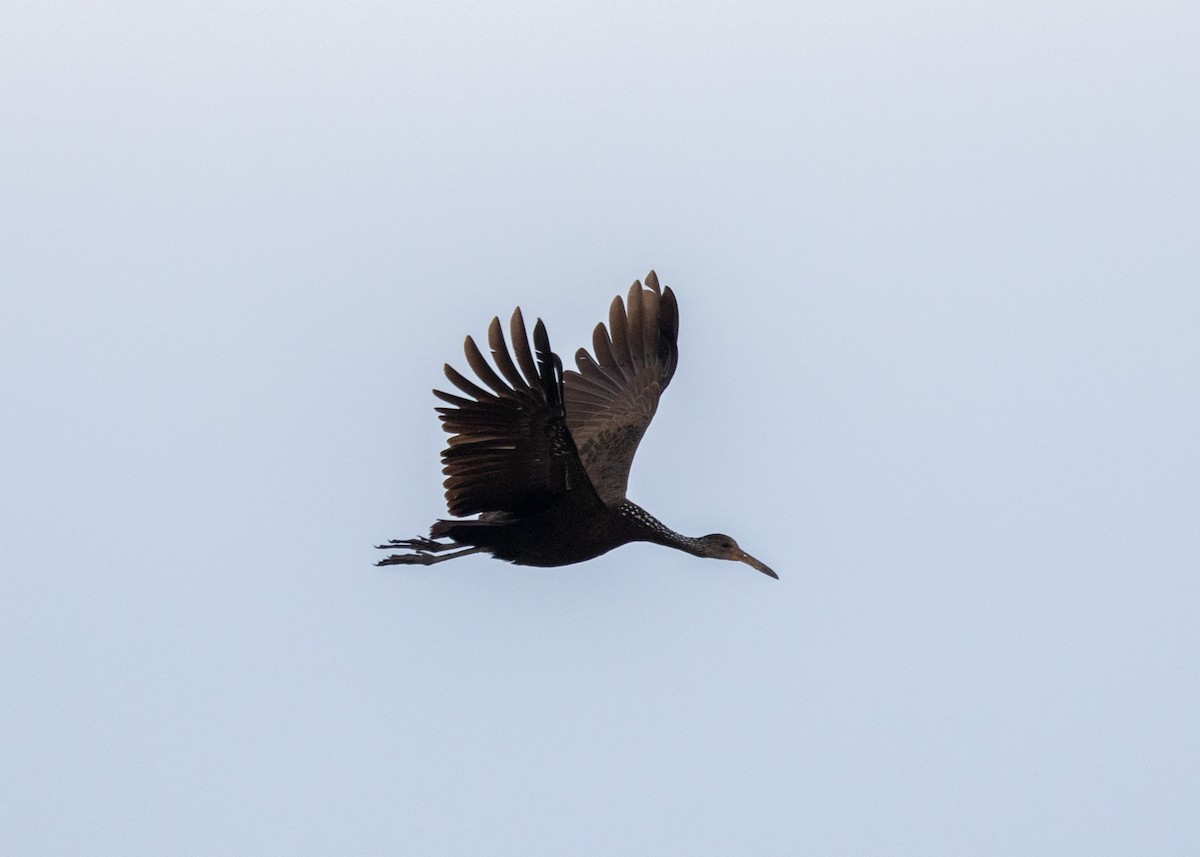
x=612 y=397
x=605 y=354
x=618 y=324
x=521 y=347
x=463 y=384
x=481 y=368
x=500 y=354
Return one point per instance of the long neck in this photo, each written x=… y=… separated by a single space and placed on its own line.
x=641 y=526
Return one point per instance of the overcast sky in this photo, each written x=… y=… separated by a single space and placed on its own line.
x=938 y=270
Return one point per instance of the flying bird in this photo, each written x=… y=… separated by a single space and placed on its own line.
x=542 y=456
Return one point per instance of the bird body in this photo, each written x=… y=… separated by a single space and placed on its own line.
x=563 y=534
x=542 y=456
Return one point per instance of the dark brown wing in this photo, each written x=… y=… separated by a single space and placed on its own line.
x=612 y=398
x=510 y=449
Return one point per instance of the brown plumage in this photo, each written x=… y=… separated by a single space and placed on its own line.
x=542 y=456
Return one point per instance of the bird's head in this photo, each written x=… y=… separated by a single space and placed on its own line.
x=721 y=546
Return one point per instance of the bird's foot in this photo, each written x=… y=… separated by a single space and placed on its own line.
x=419 y=558
x=424 y=551
x=417 y=544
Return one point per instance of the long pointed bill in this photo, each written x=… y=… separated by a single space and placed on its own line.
x=753 y=563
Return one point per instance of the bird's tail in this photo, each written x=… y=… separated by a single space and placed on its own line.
x=463 y=532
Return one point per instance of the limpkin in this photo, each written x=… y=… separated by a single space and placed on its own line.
x=542 y=456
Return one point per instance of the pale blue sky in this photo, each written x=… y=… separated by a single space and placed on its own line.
x=937 y=267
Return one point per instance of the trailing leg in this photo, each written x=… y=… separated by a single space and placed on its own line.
x=424 y=551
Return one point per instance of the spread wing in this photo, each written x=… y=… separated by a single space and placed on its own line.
x=612 y=398
x=510 y=450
